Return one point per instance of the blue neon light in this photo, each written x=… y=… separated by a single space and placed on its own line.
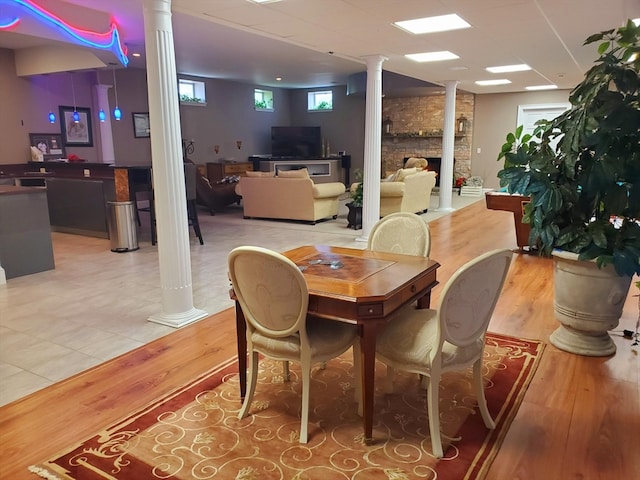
x=105 y=41
x=117 y=113
x=52 y=117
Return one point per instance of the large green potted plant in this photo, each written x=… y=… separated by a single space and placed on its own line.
x=582 y=172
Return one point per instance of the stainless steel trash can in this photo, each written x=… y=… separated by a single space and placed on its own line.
x=123 y=232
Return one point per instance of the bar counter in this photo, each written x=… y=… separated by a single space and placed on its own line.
x=25 y=234
x=77 y=192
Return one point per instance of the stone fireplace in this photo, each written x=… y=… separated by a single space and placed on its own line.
x=416 y=125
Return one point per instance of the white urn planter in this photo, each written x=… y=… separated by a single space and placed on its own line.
x=588 y=302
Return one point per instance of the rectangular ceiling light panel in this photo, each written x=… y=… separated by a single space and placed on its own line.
x=523 y=67
x=541 y=87
x=486 y=83
x=441 y=23
x=432 y=56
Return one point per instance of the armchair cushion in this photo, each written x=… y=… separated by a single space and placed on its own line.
x=251 y=173
x=417 y=162
x=404 y=173
x=299 y=173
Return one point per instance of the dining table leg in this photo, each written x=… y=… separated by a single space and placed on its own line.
x=241 y=335
x=368 y=332
x=425 y=301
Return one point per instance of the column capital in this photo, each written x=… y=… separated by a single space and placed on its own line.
x=374 y=60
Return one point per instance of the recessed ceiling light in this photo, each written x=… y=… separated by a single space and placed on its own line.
x=278 y=79
x=432 y=56
x=541 y=87
x=135 y=54
x=441 y=23
x=509 y=68
x=263 y=1
x=484 y=83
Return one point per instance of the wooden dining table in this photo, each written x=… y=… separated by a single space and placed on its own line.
x=366 y=289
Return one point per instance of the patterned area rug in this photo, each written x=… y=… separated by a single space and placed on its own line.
x=194 y=433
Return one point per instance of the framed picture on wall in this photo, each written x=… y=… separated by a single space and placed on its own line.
x=77 y=134
x=50 y=144
x=141 y=125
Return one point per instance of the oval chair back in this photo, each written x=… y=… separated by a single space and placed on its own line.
x=401 y=232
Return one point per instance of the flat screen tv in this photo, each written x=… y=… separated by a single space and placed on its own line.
x=296 y=142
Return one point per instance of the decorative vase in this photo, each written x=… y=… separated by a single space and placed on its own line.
x=354 y=216
x=588 y=302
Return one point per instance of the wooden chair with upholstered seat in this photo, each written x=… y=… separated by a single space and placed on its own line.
x=430 y=342
x=274 y=298
x=190 y=177
x=401 y=232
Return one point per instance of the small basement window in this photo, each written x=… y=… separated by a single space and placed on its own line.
x=191 y=92
x=263 y=100
x=320 y=101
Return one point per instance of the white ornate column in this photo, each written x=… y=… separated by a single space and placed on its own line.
x=168 y=169
x=448 y=137
x=372 y=145
x=106 y=135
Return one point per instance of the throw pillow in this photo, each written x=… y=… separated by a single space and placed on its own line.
x=417 y=162
x=393 y=176
x=300 y=173
x=259 y=174
x=404 y=173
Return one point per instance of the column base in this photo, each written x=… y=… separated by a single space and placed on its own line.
x=177 y=320
x=448 y=209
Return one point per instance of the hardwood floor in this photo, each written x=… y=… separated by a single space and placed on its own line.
x=580 y=418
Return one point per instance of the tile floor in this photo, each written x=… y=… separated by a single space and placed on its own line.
x=94 y=305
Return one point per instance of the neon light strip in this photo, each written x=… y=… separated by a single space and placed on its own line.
x=106 y=41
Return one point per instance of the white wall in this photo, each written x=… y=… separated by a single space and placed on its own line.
x=495 y=116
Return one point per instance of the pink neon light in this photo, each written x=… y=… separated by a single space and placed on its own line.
x=108 y=40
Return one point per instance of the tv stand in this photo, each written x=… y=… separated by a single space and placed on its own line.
x=321 y=170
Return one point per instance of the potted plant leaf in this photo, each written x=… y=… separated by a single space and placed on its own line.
x=582 y=172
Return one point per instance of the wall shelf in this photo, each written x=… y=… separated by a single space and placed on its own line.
x=414 y=135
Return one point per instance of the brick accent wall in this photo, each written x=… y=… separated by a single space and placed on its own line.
x=415 y=120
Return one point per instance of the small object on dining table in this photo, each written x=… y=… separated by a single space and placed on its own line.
x=334 y=264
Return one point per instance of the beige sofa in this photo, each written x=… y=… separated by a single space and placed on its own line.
x=289 y=198
x=409 y=191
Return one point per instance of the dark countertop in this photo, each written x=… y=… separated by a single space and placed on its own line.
x=13 y=190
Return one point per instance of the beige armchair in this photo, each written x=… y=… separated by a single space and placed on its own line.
x=273 y=295
x=289 y=198
x=430 y=342
x=409 y=191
